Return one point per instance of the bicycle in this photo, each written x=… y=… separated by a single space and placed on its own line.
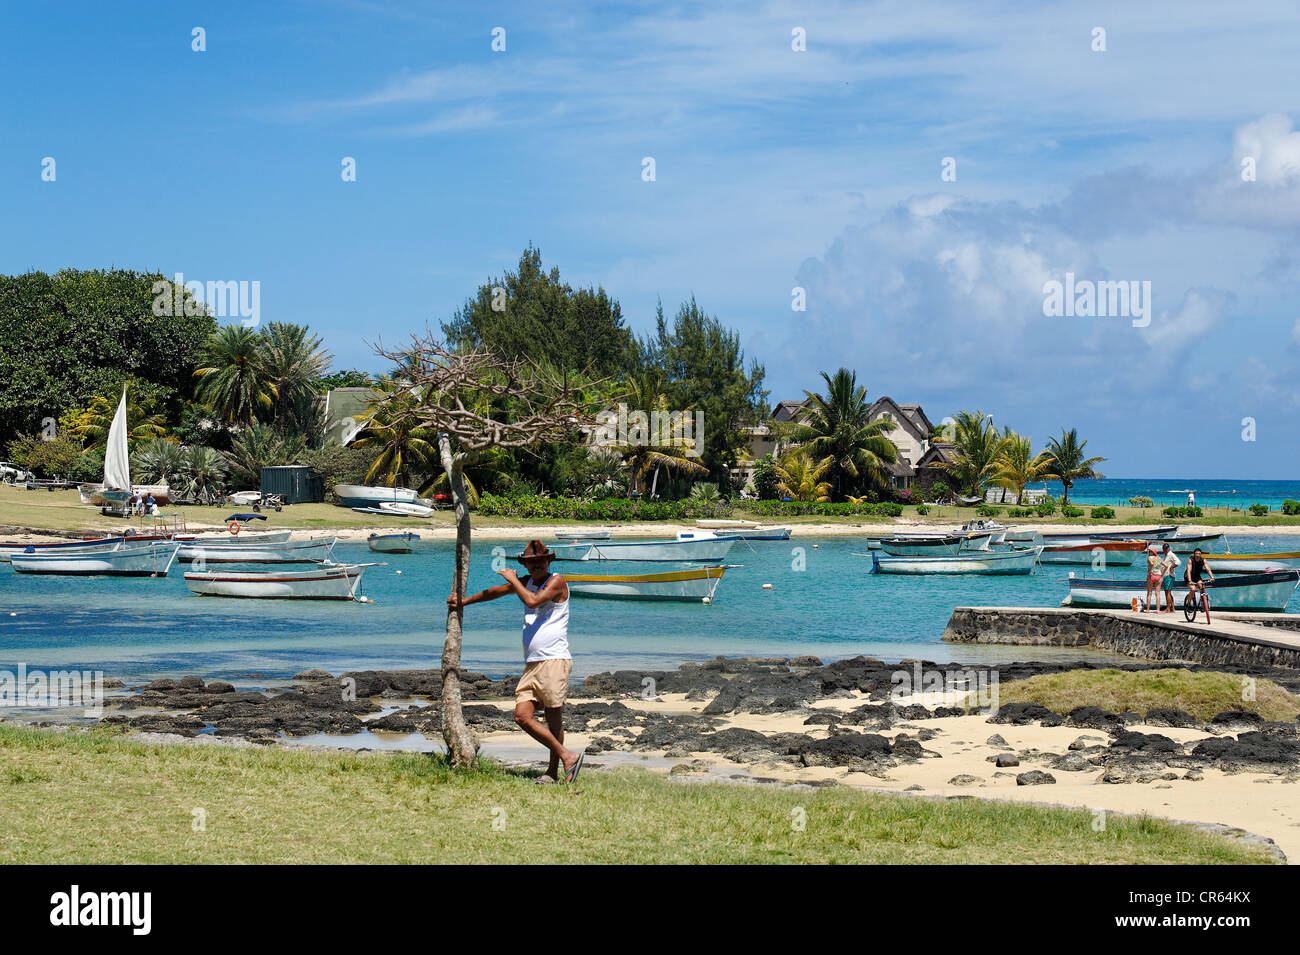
x=1191 y=606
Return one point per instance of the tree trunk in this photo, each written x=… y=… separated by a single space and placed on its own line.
x=462 y=747
x=654 y=484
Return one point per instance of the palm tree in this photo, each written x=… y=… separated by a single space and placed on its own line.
x=705 y=493
x=203 y=473
x=976 y=446
x=261 y=446
x=835 y=425
x=293 y=360
x=644 y=460
x=92 y=424
x=801 y=477
x=1016 y=464
x=158 y=461
x=1065 y=461
x=405 y=450
x=234 y=381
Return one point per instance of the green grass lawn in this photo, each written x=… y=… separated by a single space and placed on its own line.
x=77 y=797
x=1203 y=694
x=62 y=511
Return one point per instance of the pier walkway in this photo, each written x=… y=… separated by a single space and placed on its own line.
x=1233 y=638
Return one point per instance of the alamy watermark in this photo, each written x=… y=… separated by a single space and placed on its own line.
x=242 y=300
x=970 y=688
x=1087 y=299
x=52 y=689
x=655 y=429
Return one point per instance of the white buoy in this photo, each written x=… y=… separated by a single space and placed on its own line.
x=708 y=600
x=399 y=572
x=13 y=613
x=767 y=586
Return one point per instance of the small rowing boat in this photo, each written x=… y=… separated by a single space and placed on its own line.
x=921 y=546
x=329 y=582
x=1266 y=592
x=308 y=551
x=704 y=551
x=696 y=585
x=997 y=532
x=747 y=534
x=1186 y=543
x=140 y=560
x=1250 y=563
x=393 y=543
x=998 y=562
x=62 y=547
x=592 y=535
x=1100 y=554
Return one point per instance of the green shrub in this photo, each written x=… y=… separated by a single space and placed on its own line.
x=1258 y=510
x=1020 y=512
x=1141 y=501
x=1102 y=513
x=1182 y=512
x=1045 y=508
x=1070 y=510
x=923 y=509
x=1291 y=507
x=984 y=510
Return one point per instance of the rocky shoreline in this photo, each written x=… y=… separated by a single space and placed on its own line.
x=839 y=716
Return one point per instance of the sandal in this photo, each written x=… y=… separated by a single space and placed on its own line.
x=544 y=780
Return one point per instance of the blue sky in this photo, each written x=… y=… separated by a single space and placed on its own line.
x=774 y=169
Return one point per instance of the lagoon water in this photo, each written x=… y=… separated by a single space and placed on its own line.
x=139 y=628
x=1218 y=497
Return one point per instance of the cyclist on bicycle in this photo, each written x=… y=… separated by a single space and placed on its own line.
x=1197 y=567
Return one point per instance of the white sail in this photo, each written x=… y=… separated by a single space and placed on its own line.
x=117 y=468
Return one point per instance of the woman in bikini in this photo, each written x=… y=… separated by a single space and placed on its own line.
x=1155 y=571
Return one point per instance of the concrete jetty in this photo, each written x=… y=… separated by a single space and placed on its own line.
x=1232 y=638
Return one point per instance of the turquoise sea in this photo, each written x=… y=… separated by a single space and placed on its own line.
x=1214 y=496
x=141 y=628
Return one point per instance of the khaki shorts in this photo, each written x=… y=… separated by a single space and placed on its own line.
x=545 y=682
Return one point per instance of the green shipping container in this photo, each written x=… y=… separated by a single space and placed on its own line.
x=297 y=483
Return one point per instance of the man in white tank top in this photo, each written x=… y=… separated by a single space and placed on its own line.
x=546 y=653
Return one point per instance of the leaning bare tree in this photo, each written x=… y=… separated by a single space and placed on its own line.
x=474 y=401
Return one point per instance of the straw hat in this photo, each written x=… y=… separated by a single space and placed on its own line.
x=536 y=548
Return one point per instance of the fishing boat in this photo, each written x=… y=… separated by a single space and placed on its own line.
x=696 y=585
x=751 y=534
x=357 y=495
x=393 y=543
x=140 y=560
x=1250 y=563
x=330 y=582
x=918 y=546
x=1151 y=534
x=582 y=535
x=1267 y=592
x=311 y=550
x=703 y=551
x=997 y=562
x=1103 y=553
x=997 y=532
x=62 y=547
x=1186 y=543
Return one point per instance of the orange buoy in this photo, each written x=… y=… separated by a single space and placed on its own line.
x=233 y=527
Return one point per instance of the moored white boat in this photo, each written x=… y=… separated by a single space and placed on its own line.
x=244 y=539
x=1251 y=563
x=592 y=535
x=394 y=543
x=999 y=562
x=307 y=551
x=749 y=534
x=330 y=582
x=1102 y=554
x=723 y=523
x=919 y=546
x=62 y=547
x=1186 y=543
x=140 y=560
x=1150 y=534
x=997 y=532
x=666 y=550
x=1266 y=592
x=696 y=585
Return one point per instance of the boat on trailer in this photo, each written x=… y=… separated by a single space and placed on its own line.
x=696 y=585
x=703 y=551
x=141 y=560
x=994 y=562
x=328 y=582
x=308 y=551
x=393 y=543
x=1267 y=592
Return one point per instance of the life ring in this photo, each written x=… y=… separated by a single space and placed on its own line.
x=233 y=527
